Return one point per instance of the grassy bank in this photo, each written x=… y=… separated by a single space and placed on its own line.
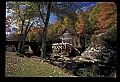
x=30 y=67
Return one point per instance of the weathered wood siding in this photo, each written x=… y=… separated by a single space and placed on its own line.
x=72 y=38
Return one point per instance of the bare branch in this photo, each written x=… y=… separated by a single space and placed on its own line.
x=29 y=28
x=41 y=13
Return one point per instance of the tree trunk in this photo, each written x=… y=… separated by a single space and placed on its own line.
x=23 y=38
x=20 y=44
x=43 y=44
x=45 y=30
x=23 y=43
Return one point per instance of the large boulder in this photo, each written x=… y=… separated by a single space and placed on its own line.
x=100 y=52
x=99 y=59
x=28 y=51
x=10 y=48
x=83 y=59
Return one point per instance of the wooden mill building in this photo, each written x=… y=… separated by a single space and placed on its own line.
x=70 y=42
x=71 y=37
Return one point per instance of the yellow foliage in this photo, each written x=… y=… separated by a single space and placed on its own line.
x=18 y=32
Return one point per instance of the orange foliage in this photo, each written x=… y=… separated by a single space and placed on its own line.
x=89 y=11
x=107 y=15
x=36 y=31
x=81 y=23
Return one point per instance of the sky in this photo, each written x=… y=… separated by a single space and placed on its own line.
x=53 y=18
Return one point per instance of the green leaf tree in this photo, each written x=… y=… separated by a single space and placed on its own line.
x=23 y=14
x=93 y=18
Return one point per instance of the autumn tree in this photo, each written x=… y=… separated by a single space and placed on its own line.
x=54 y=30
x=83 y=23
x=83 y=26
x=35 y=34
x=103 y=16
x=67 y=23
x=107 y=16
x=73 y=18
x=80 y=23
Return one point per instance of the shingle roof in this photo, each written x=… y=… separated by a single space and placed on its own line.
x=70 y=30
